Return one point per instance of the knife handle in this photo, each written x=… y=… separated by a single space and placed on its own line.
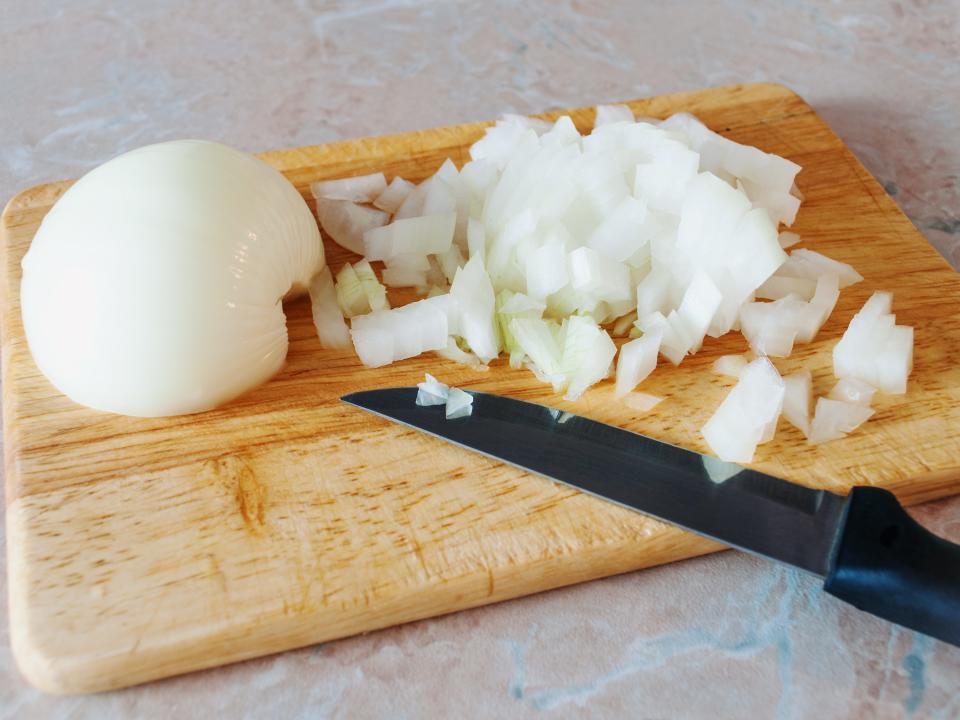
x=887 y=564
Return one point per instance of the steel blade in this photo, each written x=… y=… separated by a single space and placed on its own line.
x=739 y=507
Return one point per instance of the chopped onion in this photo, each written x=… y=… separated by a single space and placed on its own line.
x=833 y=419
x=641 y=402
x=788 y=239
x=473 y=292
x=432 y=392
x=546 y=270
x=730 y=365
x=607 y=114
x=453 y=352
x=459 y=404
x=772 y=328
x=852 y=390
x=587 y=354
x=412 y=236
x=874 y=349
x=384 y=337
x=812 y=265
x=346 y=222
x=544 y=235
x=393 y=196
x=358 y=290
x=746 y=415
x=327 y=318
x=362 y=188
x=797 y=399
x=638 y=358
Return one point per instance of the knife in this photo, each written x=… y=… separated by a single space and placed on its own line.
x=865 y=546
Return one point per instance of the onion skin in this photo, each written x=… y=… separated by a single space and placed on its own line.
x=153 y=286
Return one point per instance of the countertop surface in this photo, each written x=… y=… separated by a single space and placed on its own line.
x=721 y=636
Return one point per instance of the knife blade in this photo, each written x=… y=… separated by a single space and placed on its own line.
x=865 y=546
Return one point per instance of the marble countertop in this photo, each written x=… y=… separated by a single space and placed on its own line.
x=721 y=636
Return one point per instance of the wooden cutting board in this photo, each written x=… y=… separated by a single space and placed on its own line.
x=143 y=548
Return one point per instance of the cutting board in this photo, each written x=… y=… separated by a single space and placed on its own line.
x=142 y=548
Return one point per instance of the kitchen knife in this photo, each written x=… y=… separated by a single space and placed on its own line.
x=869 y=551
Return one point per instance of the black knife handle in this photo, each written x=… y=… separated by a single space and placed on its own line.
x=889 y=565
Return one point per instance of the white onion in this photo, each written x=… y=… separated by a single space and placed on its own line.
x=358 y=290
x=459 y=404
x=641 y=402
x=852 y=390
x=730 y=365
x=772 y=328
x=638 y=358
x=607 y=114
x=545 y=236
x=361 y=188
x=412 y=236
x=587 y=354
x=473 y=292
x=346 y=222
x=797 y=400
x=432 y=392
x=833 y=419
x=874 y=349
x=153 y=285
x=327 y=318
x=812 y=265
x=746 y=416
x=788 y=239
x=393 y=196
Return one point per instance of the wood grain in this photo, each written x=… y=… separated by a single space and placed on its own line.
x=143 y=548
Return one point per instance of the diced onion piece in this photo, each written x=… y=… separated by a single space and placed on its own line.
x=624 y=323
x=772 y=328
x=624 y=231
x=641 y=402
x=423 y=235
x=745 y=416
x=350 y=294
x=390 y=335
x=874 y=349
x=393 y=196
x=638 y=358
x=803 y=263
x=834 y=419
x=797 y=399
x=607 y=114
x=594 y=274
x=346 y=222
x=451 y=261
x=459 y=404
x=406 y=271
x=587 y=354
x=474 y=294
x=757 y=169
x=376 y=293
x=546 y=270
x=453 y=352
x=362 y=188
x=788 y=239
x=541 y=341
x=432 y=392
x=852 y=390
x=530 y=123
x=730 y=365
x=718 y=470
x=778 y=286
x=327 y=318
x=512 y=305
